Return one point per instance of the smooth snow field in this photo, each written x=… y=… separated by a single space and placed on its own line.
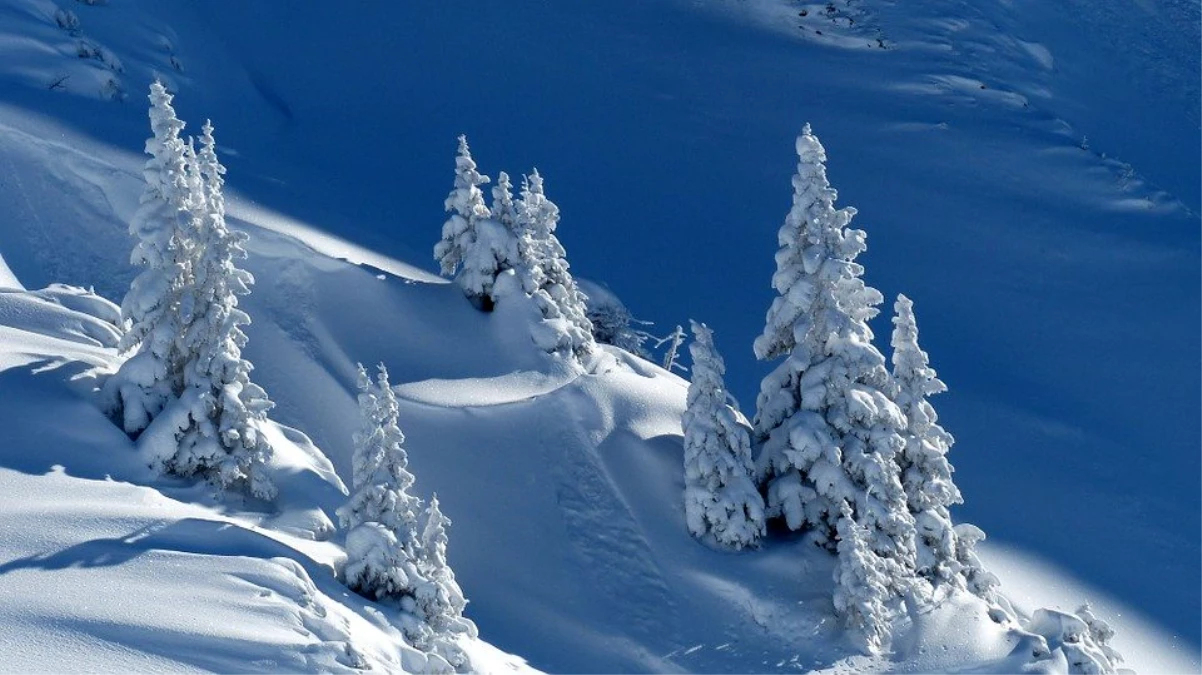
x=1026 y=171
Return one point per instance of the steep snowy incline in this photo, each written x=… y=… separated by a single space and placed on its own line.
x=1051 y=244
x=106 y=568
x=568 y=530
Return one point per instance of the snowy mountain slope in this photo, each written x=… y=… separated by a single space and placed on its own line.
x=152 y=575
x=569 y=535
x=1034 y=226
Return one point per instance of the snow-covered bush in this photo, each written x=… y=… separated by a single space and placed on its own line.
x=977 y=579
x=720 y=499
x=829 y=430
x=1082 y=637
x=565 y=328
x=925 y=472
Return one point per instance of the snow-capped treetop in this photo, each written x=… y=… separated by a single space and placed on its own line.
x=211 y=168
x=911 y=365
x=926 y=475
x=721 y=499
x=164 y=172
x=815 y=268
x=156 y=226
x=381 y=479
x=504 y=211
x=538 y=218
x=466 y=205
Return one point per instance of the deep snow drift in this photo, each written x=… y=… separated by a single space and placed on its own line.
x=565 y=493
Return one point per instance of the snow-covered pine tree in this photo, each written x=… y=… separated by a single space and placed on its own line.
x=828 y=429
x=863 y=585
x=925 y=472
x=444 y=608
x=721 y=500
x=221 y=439
x=381 y=515
x=440 y=600
x=466 y=206
x=474 y=247
x=566 y=328
x=153 y=376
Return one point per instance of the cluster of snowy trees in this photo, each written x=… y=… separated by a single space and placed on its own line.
x=507 y=250
x=846 y=449
x=396 y=553
x=841 y=446
x=186 y=387
x=185 y=390
x=510 y=250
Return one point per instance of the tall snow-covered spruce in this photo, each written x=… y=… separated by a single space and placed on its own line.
x=183 y=317
x=925 y=472
x=721 y=500
x=475 y=248
x=221 y=438
x=442 y=600
x=946 y=553
x=829 y=431
x=153 y=375
x=381 y=515
x=565 y=328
